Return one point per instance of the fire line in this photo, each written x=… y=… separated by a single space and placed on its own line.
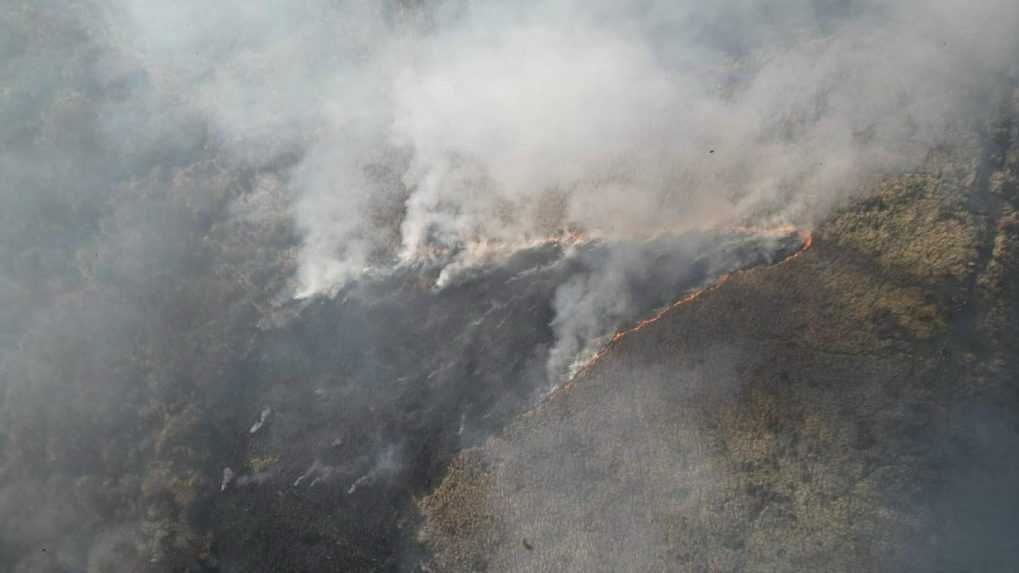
x=808 y=241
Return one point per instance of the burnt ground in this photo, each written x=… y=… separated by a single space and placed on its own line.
x=369 y=394
x=853 y=410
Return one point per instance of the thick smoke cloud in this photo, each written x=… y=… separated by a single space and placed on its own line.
x=457 y=132
x=174 y=171
x=448 y=129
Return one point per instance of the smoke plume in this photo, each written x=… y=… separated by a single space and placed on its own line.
x=457 y=132
x=455 y=129
x=176 y=174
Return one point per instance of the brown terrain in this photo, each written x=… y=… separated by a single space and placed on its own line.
x=854 y=409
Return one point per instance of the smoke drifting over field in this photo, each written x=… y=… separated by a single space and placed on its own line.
x=450 y=129
x=458 y=131
x=176 y=174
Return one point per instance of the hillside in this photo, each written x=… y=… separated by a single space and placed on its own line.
x=852 y=410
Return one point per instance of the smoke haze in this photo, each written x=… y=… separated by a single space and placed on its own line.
x=447 y=129
x=182 y=178
x=456 y=132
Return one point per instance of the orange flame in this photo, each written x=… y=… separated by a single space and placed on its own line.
x=807 y=241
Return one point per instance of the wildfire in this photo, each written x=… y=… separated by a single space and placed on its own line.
x=807 y=241
x=568 y=236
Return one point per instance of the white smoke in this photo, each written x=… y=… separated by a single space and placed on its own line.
x=455 y=132
x=448 y=131
x=498 y=124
